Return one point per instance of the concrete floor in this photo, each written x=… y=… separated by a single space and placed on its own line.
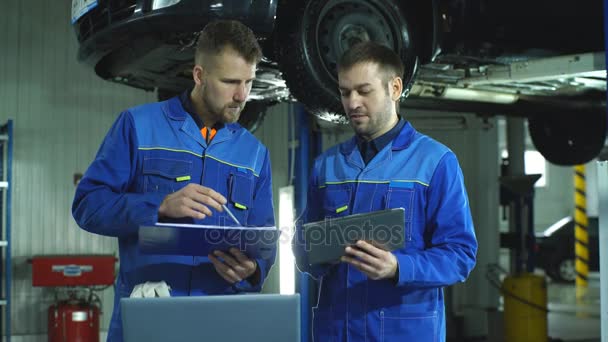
x=572 y=320
x=568 y=320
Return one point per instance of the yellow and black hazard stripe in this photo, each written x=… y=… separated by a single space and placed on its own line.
x=581 y=235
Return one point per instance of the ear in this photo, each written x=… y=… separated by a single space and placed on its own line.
x=396 y=88
x=198 y=75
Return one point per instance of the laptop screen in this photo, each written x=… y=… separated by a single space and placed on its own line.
x=247 y=317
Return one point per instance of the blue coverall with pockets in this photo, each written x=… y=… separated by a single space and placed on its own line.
x=156 y=149
x=423 y=176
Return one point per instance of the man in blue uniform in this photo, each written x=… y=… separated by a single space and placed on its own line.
x=179 y=161
x=372 y=294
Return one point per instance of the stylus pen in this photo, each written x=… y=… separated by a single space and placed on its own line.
x=230 y=214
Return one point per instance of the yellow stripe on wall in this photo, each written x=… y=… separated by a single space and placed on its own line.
x=581 y=235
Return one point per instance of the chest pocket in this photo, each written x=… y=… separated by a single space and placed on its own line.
x=241 y=187
x=337 y=202
x=166 y=175
x=402 y=197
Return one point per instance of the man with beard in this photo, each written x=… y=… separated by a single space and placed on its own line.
x=373 y=294
x=182 y=160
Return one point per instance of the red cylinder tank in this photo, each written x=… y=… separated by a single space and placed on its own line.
x=73 y=321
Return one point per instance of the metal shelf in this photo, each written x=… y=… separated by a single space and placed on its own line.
x=6 y=157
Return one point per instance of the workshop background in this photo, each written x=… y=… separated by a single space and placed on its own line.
x=61 y=110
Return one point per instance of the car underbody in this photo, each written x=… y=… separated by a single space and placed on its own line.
x=540 y=60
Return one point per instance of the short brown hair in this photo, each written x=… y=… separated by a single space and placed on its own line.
x=387 y=60
x=219 y=34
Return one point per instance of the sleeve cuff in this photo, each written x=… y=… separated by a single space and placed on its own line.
x=405 y=270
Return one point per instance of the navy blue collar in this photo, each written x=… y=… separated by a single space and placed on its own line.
x=369 y=149
x=175 y=111
x=400 y=142
x=184 y=98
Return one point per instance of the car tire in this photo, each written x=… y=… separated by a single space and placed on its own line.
x=565 y=139
x=310 y=45
x=563 y=270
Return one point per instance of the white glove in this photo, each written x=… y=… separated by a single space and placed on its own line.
x=150 y=290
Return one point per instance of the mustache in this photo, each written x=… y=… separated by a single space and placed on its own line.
x=355 y=112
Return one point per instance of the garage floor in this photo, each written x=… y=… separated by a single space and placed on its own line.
x=572 y=321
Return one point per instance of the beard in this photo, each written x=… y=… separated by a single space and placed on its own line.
x=375 y=122
x=227 y=113
x=231 y=112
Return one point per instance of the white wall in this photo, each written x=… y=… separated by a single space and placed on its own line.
x=61 y=111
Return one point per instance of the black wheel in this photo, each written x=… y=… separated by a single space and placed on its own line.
x=569 y=139
x=563 y=270
x=314 y=34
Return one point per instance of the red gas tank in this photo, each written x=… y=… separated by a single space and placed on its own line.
x=73 y=321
